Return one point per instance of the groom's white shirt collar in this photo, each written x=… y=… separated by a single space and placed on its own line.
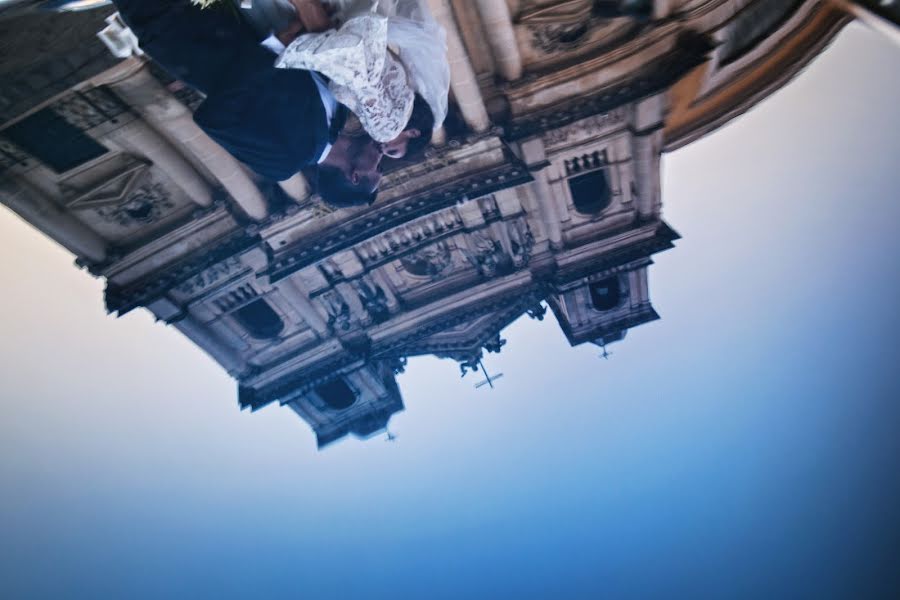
x=328 y=99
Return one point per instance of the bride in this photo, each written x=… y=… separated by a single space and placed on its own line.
x=385 y=61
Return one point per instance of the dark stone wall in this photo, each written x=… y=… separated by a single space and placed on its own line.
x=43 y=54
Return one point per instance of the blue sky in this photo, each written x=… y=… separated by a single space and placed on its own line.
x=745 y=445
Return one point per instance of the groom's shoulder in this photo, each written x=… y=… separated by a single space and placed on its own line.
x=273 y=122
x=263 y=93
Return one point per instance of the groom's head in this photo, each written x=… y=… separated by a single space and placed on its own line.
x=349 y=175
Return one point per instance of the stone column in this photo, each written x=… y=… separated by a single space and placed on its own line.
x=549 y=210
x=160 y=108
x=535 y=156
x=30 y=203
x=501 y=37
x=462 y=76
x=646 y=151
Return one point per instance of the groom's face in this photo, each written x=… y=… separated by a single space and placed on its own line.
x=365 y=161
x=358 y=158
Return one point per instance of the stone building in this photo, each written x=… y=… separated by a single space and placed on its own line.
x=543 y=190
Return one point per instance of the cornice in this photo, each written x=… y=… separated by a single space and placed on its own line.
x=356 y=229
x=121 y=300
x=654 y=78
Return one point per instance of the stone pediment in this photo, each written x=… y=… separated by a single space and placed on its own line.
x=465 y=338
x=123 y=198
x=104 y=186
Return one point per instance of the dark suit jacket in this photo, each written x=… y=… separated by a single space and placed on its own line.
x=270 y=119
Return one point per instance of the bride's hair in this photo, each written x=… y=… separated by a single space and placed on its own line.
x=335 y=189
x=422 y=118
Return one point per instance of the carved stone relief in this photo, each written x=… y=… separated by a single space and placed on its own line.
x=431 y=262
x=489 y=256
x=146 y=204
x=409 y=236
x=373 y=299
x=337 y=309
x=521 y=242
x=214 y=274
x=584 y=128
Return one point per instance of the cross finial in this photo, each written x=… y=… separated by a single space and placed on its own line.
x=488 y=378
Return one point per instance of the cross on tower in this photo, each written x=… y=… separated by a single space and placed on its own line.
x=488 y=378
x=606 y=354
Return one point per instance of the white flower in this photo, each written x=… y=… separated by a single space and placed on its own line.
x=203 y=3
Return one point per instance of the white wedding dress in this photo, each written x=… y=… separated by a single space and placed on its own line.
x=377 y=57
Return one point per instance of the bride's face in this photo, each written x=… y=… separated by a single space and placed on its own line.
x=396 y=148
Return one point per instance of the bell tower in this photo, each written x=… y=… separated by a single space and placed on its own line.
x=601 y=307
x=600 y=178
x=359 y=398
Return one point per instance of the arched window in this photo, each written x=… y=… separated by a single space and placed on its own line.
x=590 y=192
x=336 y=394
x=259 y=319
x=606 y=294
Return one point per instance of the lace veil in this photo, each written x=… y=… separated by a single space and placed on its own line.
x=418 y=41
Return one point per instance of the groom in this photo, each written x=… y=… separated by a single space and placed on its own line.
x=276 y=121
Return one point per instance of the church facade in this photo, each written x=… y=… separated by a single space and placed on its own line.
x=541 y=194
